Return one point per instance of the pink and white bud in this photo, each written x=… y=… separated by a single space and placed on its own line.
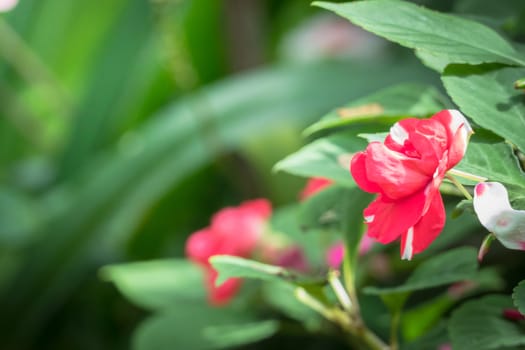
x=492 y=206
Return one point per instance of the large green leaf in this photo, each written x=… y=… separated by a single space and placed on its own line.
x=452 y=266
x=199 y=327
x=157 y=284
x=328 y=157
x=494 y=161
x=518 y=296
x=383 y=108
x=486 y=95
x=479 y=324
x=455 y=39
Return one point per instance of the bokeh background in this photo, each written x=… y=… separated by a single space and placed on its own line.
x=125 y=124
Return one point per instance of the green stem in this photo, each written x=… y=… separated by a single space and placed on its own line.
x=465 y=175
x=339 y=290
x=459 y=186
x=396 y=318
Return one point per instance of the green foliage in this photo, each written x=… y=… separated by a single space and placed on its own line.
x=479 y=324
x=444 y=36
x=518 y=296
x=452 y=266
x=156 y=285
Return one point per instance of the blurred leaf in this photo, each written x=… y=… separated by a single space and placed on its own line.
x=486 y=94
x=232 y=266
x=280 y=295
x=339 y=208
x=418 y=320
x=328 y=157
x=442 y=35
x=479 y=324
x=383 y=108
x=157 y=284
x=518 y=296
x=199 y=327
x=434 y=339
x=451 y=266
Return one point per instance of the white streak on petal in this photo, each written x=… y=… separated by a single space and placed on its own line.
x=408 y=249
x=398 y=134
x=459 y=120
x=369 y=218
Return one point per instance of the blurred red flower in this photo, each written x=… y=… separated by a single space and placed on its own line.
x=406 y=171
x=233 y=231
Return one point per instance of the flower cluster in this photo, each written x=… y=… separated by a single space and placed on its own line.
x=406 y=171
x=233 y=231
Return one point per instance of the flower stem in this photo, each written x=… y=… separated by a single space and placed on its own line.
x=466 y=175
x=459 y=186
x=339 y=290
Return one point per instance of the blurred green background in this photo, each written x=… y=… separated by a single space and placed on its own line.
x=125 y=124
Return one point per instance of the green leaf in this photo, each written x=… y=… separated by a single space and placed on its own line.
x=328 y=157
x=157 y=284
x=446 y=36
x=493 y=161
x=452 y=266
x=197 y=326
x=518 y=296
x=231 y=266
x=479 y=324
x=486 y=94
x=382 y=109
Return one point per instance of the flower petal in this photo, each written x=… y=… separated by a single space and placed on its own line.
x=222 y=294
x=492 y=206
x=396 y=174
x=387 y=220
x=419 y=237
x=358 y=170
x=201 y=245
x=459 y=131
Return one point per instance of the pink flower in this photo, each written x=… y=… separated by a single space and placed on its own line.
x=492 y=206
x=406 y=172
x=233 y=231
x=335 y=253
x=7 y=5
x=314 y=185
x=513 y=315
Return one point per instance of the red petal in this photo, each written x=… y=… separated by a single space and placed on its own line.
x=396 y=174
x=358 y=170
x=221 y=295
x=201 y=245
x=426 y=229
x=313 y=186
x=388 y=220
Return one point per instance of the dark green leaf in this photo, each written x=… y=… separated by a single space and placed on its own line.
x=479 y=324
x=486 y=94
x=518 y=295
x=199 y=327
x=452 y=38
x=452 y=266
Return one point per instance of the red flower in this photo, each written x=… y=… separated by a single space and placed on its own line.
x=314 y=185
x=233 y=231
x=406 y=172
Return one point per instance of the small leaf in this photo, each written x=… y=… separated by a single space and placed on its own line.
x=157 y=284
x=518 y=295
x=383 y=108
x=225 y=336
x=479 y=324
x=232 y=266
x=452 y=266
x=449 y=37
